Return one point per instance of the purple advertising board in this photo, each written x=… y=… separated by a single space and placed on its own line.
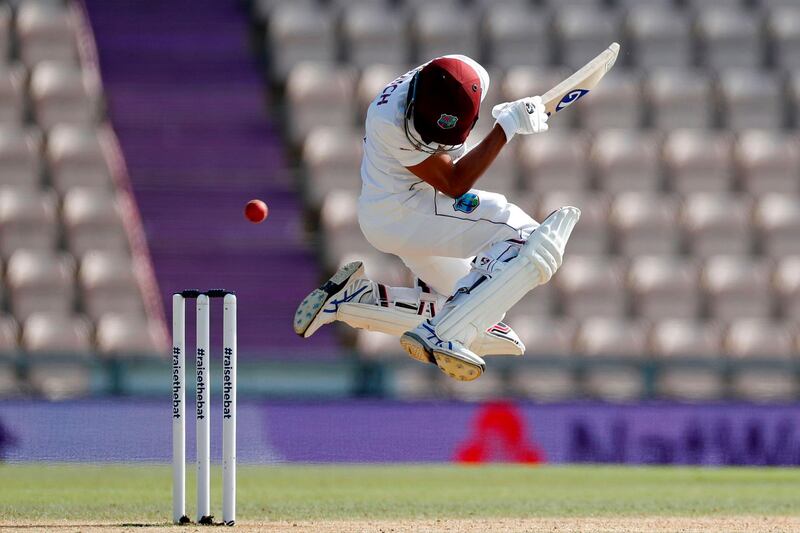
x=390 y=431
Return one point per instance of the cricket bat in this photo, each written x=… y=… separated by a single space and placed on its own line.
x=579 y=84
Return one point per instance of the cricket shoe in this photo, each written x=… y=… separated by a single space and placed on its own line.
x=451 y=357
x=348 y=284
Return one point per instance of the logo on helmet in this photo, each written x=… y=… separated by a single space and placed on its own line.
x=447 y=122
x=467 y=203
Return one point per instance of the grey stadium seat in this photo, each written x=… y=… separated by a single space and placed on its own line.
x=49 y=333
x=737 y=287
x=109 y=284
x=777 y=220
x=299 y=32
x=605 y=337
x=461 y=390
x=664 y=287
x=319 y=95
x=373 y=79
x=120 y=335
x=46 y=338
x=675 y=339
x=729 y=4
x=516 y=35
x=20 y=158
x=522 y=81
x=729 y=37
x=374 y=345
x=783 y=29
x=9 y=334
x=5 y=33
x=378 y=266
x=750 y=339
x=645 y=223
x=12 y=94
x=660 y=36
x=440 y=29
x=698 y=161
x=544 y=338
x=40 y=282
x=615 y=103
x=339 y=221
x=27 y=220
x=591 y=286
x=554 y=162
x=543 y=383
x=776 y=3
x=412 y=381
x=679 y=98
x=502 y=176
x=76 y=158
x=750 y=99
x=626 y=160
x=373 y=33
x=786 y=284
x=592 y=235
x=92 y=221
x=768 y=161
x=538 y=303
x=46 y=33
x=414 y=5
x=585 y=4
x=717 y=223
x=332 y=158
x=493 y=97
x=583 y=32
x=654 y=3
x=62 y=93
x=58 y=380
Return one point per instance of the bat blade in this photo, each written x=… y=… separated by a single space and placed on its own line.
x=581 y=82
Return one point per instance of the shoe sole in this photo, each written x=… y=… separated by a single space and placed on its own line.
x=416 y=349
x=457 y=369
x=310 y=307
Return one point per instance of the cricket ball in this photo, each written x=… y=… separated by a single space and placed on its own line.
x=256 y=211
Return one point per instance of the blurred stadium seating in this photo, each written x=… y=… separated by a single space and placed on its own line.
x=682 y=278
x=75 y=288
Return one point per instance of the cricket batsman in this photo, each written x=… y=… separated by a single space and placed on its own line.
x=473 y=253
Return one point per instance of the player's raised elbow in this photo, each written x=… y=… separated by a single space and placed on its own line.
x=455 y=191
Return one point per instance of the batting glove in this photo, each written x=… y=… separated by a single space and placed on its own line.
x=523 y=116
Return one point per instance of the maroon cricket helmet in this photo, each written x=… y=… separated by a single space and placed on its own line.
x=447 y=101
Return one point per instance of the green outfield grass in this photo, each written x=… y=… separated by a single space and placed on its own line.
x=141 y=494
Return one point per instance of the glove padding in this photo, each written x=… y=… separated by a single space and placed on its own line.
x=523 y=116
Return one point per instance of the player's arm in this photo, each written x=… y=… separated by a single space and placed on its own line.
x=523 y=116
x=454 y=178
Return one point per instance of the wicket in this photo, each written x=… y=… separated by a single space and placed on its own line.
x=203 y=406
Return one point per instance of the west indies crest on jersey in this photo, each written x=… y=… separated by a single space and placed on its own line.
x=467 y=203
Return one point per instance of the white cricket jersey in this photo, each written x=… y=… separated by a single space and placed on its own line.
x=387 y=151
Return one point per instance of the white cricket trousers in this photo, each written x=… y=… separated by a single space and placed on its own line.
x=436 y=236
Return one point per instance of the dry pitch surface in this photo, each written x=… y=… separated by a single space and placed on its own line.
x=394 y=499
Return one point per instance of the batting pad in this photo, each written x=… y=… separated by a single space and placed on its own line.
x=396 y=322
x=537 y=261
